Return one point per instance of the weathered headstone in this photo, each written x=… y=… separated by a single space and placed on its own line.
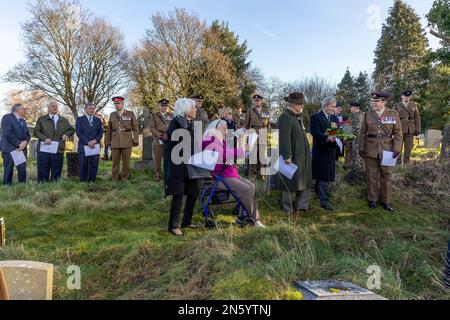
x=28 y=280
x=72 y=164
x=334 y=290
x=147 y=142
x=32 y=151
x=433 y=139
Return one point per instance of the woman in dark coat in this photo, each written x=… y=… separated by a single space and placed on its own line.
x=324 y=150
x=176 y=181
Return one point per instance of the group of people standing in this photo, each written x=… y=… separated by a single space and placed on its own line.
x=378 y=130
x=122 y=134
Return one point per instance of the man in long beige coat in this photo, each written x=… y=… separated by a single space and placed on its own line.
x=122 y=135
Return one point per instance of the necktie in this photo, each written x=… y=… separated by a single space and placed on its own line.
x=91 y=120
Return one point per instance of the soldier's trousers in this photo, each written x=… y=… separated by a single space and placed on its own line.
x=348 y=154
x=123 y=154
x=408 y=143
x=158 y=153
x=379 y=181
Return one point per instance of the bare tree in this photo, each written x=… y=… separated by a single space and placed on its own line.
x=69 y=56
x=35 y=101
x=174 y=60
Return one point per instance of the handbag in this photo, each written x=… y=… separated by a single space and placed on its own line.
x=196 y=173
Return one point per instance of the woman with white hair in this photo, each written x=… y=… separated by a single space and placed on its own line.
x=214 y=139
x=176 y=180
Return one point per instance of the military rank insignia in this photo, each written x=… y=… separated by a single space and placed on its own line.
x=388 y=120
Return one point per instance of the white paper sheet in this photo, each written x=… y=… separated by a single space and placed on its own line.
x=88 y=152
x=388 y=159
x=340 y=145
x=206 y=160
x=18 y=157
x=252 y=139
x=287 y=170
x=50 y=148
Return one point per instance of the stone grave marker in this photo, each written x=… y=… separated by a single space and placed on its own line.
x=147 y=142
x=28 y=280
x=433 y=139
x=32 y=149
x=334 y=290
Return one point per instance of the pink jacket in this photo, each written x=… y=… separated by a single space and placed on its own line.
x=226 y=171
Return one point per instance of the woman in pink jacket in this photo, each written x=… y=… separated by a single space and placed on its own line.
x=214 y=140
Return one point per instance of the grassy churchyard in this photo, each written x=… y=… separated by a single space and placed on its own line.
x=117 y=234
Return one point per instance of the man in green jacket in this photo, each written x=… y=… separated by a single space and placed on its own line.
x=51 y=130
x=295 y=149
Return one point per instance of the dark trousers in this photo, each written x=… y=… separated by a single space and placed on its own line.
x=88 y=167
x=49 y=166
x=175 y=210
x=321 y=189
x=8 y=166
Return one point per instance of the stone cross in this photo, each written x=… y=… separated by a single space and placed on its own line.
x=28 y=280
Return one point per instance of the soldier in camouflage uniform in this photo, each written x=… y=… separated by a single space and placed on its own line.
x=356 y=118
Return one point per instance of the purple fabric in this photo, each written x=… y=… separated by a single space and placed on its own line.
x=226 y=171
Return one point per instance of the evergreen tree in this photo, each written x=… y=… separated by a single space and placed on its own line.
x=400 y=56
x=227 y=42
x=346 y=92
x=363 y=89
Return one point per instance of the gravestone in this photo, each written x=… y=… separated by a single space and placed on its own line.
x=147 y=142
x=32 y=149
x=72 y=164
x=433 y=139
x=28 y=280
x=334 y=290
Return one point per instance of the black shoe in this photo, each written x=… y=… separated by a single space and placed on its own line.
x=387 y=207
x=327 y=208
x=372 y=204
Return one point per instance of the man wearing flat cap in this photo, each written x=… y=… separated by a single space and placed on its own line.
x=202 y=115
x=159 y=125
x=410 y=119
x=258 y=118
x=294 y=148
x=381 y=130
x=122 y=135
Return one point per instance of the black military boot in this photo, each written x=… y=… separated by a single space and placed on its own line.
x=372 y=204
x=387 y=207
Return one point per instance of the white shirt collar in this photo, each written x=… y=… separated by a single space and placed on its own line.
x=17 y=116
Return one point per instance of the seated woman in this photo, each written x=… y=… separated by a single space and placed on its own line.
x=214 y=139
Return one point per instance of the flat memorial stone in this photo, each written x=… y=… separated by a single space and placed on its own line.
x=28 y=280
x=334 y=290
